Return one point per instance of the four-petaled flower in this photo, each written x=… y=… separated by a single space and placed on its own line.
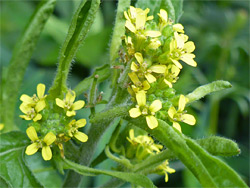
x=73 y=127
x=180 y=114
x=35 y=99
x=68 y=103
x=165 y=169
x=32 y=113
x=145 y=70
x=143 y=109
x=40 y=143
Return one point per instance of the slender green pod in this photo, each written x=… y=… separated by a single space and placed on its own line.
x=80 y=25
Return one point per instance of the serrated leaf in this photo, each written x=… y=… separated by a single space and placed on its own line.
x=80 y=25
x=204 y=90
x=14 y=170
x=21 y=57
x=133 y=178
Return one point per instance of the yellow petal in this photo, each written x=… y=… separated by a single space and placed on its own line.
x=81 y=136
x=25 y=108
x=134 y=67
x=146 y=85
x=182 y=103
x=163 y=14
x=153 y=33
x=40 y=90
x=158 y=68
x=25 y=117
x=60 y=103
x=81 y=123
x=188 y=59
x=27 y=99
x=70 y=96
x=49 y=138
x=70 y=113
x=134 y=112
x=177 y=126
x=134 y=78
x=175 y=70
x=189 y=46
x=131 y=134
x=139 y=57
x=126 y=15
x=150 y=18
x=171 y=112
x=178 y=28
x=155 y=106
x=78 y=105
x=140 y=20
x=31 y=132
x=179 y=40
x=168 y=83
x=37 y=117
x=130 y=26
x=31 y=149
x=141 y=98
x=189 y=119
x=150 y=78
x=152 y=122
x=166 y=177
x=46 y=153
x=40 y=105
x=176 y=63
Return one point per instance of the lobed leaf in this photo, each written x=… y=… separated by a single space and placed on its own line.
x=80 y=25
x=204 y=90
x=14 y=171
x=133 y=178
x=21 y=58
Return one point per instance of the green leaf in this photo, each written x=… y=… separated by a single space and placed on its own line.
x=216 y=145
x=204 y=90
x=193 y=156
x=14 y=170
x=103 y=73
x=178 y=8
x=20 y=60
x=223 y=175
x=133 y=178
x=153 y=5
x=80 y=25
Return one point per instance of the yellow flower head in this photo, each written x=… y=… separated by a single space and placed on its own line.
x=40 y=143
x=39 y=98
x=135 y=22
x=180 y=49
x=144 y=145
x=32 y=113
x=165 y=169
x=68 y=103
x=180 y=114
x=144 y=71
x=138 y=85
x=73 y=130
x=143 y=109
x=171 y=75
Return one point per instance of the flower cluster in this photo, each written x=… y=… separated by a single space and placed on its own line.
x=155 y=50
x=142 y=146
x=52 y=121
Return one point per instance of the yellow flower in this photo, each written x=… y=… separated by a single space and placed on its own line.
x=1 y=126
x=135 y=22
x=32 y=113
x=143 y=109
x=171 y=75
x=129 y=45
x=38 y=143
x=143 y=70
x=180 y=114
x=32 y=101
x=180 y=49
x=163 y=19
x=164 y=168
x=138 y=85
x=73 y=127
x=68 y=103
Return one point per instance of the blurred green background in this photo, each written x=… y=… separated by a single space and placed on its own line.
x=220 y=31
